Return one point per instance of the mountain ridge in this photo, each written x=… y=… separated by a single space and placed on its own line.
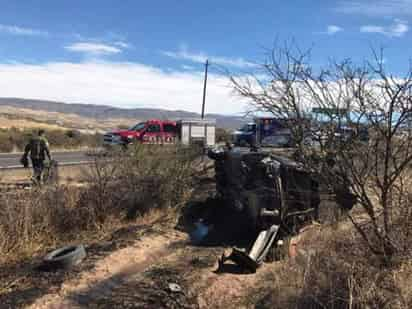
x=104 y=112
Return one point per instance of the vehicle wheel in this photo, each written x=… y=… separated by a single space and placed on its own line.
x=64 y=258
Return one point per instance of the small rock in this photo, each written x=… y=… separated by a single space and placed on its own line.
x=175 y=288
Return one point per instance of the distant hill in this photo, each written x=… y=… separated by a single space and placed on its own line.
x=107 y=112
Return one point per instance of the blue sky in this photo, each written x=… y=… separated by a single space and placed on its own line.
x=150 y=53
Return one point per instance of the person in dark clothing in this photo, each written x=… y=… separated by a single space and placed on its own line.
x=38 y=148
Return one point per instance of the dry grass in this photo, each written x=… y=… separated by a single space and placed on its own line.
x=70 y=174
x=27 y=118
x=29 y=220
x=7 y=123
x=119 y=190
x=335 y=270
x=16 y=139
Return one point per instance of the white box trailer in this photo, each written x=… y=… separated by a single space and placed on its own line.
x=201 y=131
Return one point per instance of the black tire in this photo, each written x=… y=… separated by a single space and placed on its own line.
x=64 y=258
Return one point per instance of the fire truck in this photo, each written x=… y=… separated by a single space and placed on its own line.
x=154 y=131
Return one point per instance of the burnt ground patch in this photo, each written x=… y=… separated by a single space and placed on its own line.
x=148 y=286
x=150 y=289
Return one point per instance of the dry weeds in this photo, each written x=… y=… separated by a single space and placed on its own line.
x=334 y=270
x=120 y=188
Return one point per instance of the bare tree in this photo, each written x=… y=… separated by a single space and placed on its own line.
x=362 y=143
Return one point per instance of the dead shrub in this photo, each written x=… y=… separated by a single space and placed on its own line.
x=146 y=177
x=37 y=218
x=344 y=274
x=100 y=197
x=335 y=270
x=124 y=185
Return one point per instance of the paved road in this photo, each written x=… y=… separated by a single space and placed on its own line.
x=12 y=160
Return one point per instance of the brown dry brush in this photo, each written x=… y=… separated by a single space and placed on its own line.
x=348 y=278
x=143 y=178
x=29 y=220
x=368 y=269
x=120 y=187
x=334 y=273
x=362 y=97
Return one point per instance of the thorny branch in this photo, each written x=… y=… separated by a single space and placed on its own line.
x=362 y=97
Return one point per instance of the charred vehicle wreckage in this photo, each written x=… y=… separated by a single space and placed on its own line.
x=275 y=194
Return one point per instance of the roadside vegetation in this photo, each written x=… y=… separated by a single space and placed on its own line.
x=14 y=139
x=333 y=270
x=117 y=191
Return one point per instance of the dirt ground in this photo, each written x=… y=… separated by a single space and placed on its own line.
x=127 y=273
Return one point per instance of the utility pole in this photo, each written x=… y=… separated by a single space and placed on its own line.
x=204 y=89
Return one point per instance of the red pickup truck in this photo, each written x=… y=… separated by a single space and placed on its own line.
x=149 y=132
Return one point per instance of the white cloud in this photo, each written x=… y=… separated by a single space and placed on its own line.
x=121 y=84
x=372 y=29
x=376 y=8
x=184 y=54
x=122 y=44
x=93 y=48
x=188 y=67
x=16 y=30
x=397 y=29
x=332 y=29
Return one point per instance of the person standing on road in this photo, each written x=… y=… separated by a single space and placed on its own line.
x=38 y=147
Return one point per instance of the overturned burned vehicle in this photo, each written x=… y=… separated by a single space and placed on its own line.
x=277 y=196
